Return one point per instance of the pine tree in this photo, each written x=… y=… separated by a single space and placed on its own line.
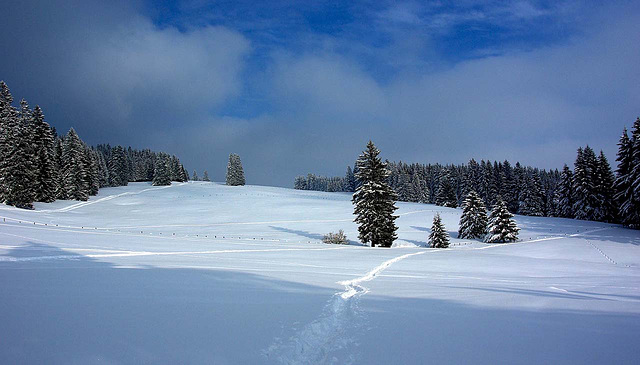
x=374 y=200
x=605 y=211
x=584 y=178
x=8 y=135
x=194 y=176
x=446 y=195
x=161 y=172
x=18 y=168
x=502 y=228
x=531 y=202
x=473 y=221
x=565 y=193
x=118 y=167
x=74 y=170
x=45 y=169
x=235 y=173
x=632 y=206
x=205 y=176
x=350 y=180
x=439 y=237
x=623 y=192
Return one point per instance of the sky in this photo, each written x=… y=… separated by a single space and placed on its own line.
x=296 y=87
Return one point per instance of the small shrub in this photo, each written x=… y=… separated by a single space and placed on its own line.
x=336 y=238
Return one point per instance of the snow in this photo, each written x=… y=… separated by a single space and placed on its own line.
x=205 y=273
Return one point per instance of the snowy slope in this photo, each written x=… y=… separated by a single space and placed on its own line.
x=205 y=273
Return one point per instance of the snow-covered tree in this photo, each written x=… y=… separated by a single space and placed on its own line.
x=235 y=173
x=502 y=228
x=446 y=195
x=623 y=192
x=605 y=210
x=350 y=180
x=531 y=196
x=18 y=167
x=374 y=200
x=631 y=207
x=194 y=176
x=45 y=169
x=118 y=167
x=161 y=171
x=74 y=170
x=565 y=193
x=584 y=181
x=205 y=176
x=473 y=221
x=438 y=237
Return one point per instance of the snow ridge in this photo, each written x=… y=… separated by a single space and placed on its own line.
x=321 y=341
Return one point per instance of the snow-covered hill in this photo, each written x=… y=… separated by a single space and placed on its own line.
x=205 y=273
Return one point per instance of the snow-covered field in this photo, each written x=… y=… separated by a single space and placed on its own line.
x=205 y=273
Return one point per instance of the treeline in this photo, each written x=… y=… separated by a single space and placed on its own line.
x=38 y=165
x=590 y=191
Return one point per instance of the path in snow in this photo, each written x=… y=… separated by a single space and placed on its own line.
x=320 y=341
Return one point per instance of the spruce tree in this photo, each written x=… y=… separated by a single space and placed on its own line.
x=438 y=237
x=502 y=228
x=235 y=173
x=606 y=211
x=118 y=167
x=74 y=170
x=473 y=221
x=45 y=176
x=161 y=171
x=565 y=193
x=623 y=192
x=446 y=195
x=8 y=134
x=374 y=200
x=584 y=180
x=632 y=205
x=205 y=176
x=194 y=176
x=18 y=168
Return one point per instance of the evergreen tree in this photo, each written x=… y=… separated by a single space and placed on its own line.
x=565 y=193
x=45 y=169
x=584 y=179
x=473 y=221
x=118 y=167
x=18 y=168
x=623 y=194
x=502 y=228
x=194 y=176
x=235 y=173
x=439 y=237
x=350 y=180
x=8 y=135
x=374 y=200
x=632 y=206
x=446 y=196
x=531 y=202
x=161 y=172
x=605 y=211
x=74 y=170
x=205 y=176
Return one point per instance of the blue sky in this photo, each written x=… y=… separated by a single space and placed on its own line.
x=301 y=86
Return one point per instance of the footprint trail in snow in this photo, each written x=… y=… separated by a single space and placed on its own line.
x=321 y=341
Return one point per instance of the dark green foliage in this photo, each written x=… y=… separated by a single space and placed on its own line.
x=502 y=228
x=439 y=237
x=161 y=174
x=446 y=195
x=374 y=200
x=473 y=221
x=74 y=169
x=235 y=173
